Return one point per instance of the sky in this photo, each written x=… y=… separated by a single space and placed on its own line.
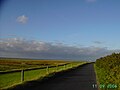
x=59 y=29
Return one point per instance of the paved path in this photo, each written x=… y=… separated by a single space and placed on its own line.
x=81 y=78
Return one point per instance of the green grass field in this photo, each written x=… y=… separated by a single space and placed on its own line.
x=11 y=79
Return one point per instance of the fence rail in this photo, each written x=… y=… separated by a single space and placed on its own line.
x=29 y=69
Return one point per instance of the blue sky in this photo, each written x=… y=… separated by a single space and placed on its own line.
x=73 y=22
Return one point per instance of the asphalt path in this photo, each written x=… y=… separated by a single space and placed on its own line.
x=80 y=78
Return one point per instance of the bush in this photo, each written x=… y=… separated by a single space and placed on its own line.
x=108 y=69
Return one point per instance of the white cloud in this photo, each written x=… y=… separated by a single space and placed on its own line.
x=22 y=19
x=16 y=47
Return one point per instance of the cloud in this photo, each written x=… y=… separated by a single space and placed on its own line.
x=22 y=19
x=90 y=0
x=98 y=42
x=22 y=48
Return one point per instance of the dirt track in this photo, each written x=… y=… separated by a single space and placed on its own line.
x=81 y=78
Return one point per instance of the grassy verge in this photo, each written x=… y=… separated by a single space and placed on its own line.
x=12 y=79
x=106 y=80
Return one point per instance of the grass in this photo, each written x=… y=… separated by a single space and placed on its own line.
x=106 y=80
x=12 y=79
x=9 y=79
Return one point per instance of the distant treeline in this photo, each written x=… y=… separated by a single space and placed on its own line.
x=108 y=69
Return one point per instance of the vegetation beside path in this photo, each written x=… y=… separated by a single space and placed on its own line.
x=108 y=72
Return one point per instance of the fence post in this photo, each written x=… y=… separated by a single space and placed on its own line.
x=47 y=70
x=71 y=65
x=22 y=75
x=64 y=67
x=56 y=68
